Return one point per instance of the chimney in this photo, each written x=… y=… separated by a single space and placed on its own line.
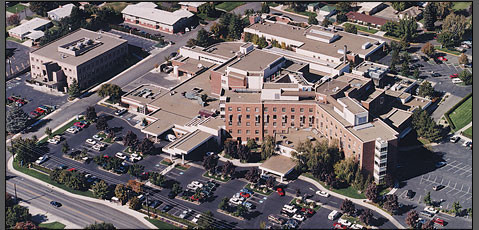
x=344 y=56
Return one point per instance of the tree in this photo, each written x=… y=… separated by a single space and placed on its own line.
x=270 y=182
x=241 y=210
x=358 y=182
x=416 y=73
x=16 y=214
x=345 y=169
x=427 y=198
x=76 y=181
x=325 y=22
x=262 y=225
x=90 y=113
x=428 y=225
x=145 y=146
x=252 y=175
x=407 y=29
x=235 y=27
x=391 y=204
x=26 y=225
x=202 y=38
x=463 y=59
x=466 y=77
x=130 y=139
x=251 y=144
x=366 y=216
x=343 y=7
x=228 y=168
x=224 y=204
x=65 y=147
x=426 y=89
x=428 y=49
x=112 y=91
x=267 y=148
x=208 y=10
x=191 y=42
x=176 y=188
x=74 y=89
x=157 y=178
x=24 y=150
x=16 y=119
x=101 y=123
x=48 y=132
x=102 y=225
x=264 y=8
x=261 y=42
x=446 y=39
x=456 y=208
x=412 y=218
x=430 y=16
x=206 y=220
x=389 y=180
x=341 y=17
x=136 y=170
x=442 y=9
x=231 y=148
x=100 y=189
x=456 y=25
x=348 y=206
x=244 y=153
x=121 y=192
x=41 y=8
x=13 y=20
x=210 y=162
x=312 y=20
x=372 y=192
x=350 y=28
x=135 y=203
x=425 y=126
x=400 y=6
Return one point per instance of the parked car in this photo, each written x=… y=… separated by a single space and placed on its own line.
x=72 y=130
x=292 y=223
x=467 y=143
x=55 y=203
x=333 y=215
x=235 y=201
x=427 y=214
x=430 y=209
x=34 y=114
x=339 y=226
x=185 y=213
x=55 y=140
x=196 y=218
x=454 y=139
x=135 y=157
x=171 y=195
x=322 y=193
x=120 y=112
x=42 y=159
x=79 y=124
x=72 y=169
x=298 y=217
x=441 y=58
x=439 y=221
x=276 y=219
x=120 y=155
x=435 y=75
x=440 y=164
x=409 y=194
x=344 y=222
x=245 y=195
x=155 y=204
x=61 y=167
x=453 y=75
x=456 y=81
x=97 y=147
x=438 y=187
x=98 y=138
x=90 y=141
x=280 y=191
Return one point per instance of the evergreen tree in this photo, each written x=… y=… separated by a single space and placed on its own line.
x=267 y=148
x=90 y=113
x=264 y=8
x=427 y=198
x=426 y=89
x=466 y=77
x=16 y=214
x=74 y=89
x=456 y=208
x=202 y=38
x=235 y=27
x=350 y=28
x=16 y=119
x=430 y=16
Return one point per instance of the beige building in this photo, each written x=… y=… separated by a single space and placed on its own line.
x=82 y=55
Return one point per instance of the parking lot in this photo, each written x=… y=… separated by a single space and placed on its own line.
x=20 y=59
x=144 y=43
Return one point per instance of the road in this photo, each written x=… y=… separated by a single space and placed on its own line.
x=293 y=16
x=74 y=210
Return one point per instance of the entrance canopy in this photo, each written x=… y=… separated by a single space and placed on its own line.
x=279 y=165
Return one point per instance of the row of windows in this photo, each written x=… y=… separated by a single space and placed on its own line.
x=301 y=110
x=256 y=132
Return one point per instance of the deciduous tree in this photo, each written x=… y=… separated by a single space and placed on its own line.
x=366 y=216
x=130 y=139
x=252 y=175
x=103 y=225
x=463 y=59
x=13 y=20
x=101 y=123
x=312 y=20
x=348 y=206
x=90 y=113
x=267 y=148
x=121 y=192
x=100 y=189
x=135 y=203
x=412 y=218
x=16 y=214
x=466 y=77
x=372 y=192
x=426 y=89
x=350 y=28
x=428 y=49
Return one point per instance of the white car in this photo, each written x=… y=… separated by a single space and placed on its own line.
x=236 y=201
x=120 y=112
x=357 y=226
x=191 y=187
x=41 y=159
x=430 y=209
x=344 y=222
x=184 y=214
x=298 y=217
x=321 y=193
x=197 y=217
x=467 y=143
x=98 y=138
x=90 y=141
x=136 y=157
x=72 y=130
x=120 y=155
x=55 y=140
x=97 y=147
x=197 y=184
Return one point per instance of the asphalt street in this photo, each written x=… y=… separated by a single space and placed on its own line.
x=294 y=17
x=75 y=210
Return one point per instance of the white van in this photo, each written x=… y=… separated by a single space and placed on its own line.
x=333 y=215
x=456 y=80
x=290 y=208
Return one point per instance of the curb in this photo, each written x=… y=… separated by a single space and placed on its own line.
x=123 y=209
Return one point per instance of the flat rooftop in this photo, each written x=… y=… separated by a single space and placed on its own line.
x=225 y=49
x=366 y=65
x=279 y=164
x=372 y=130
x=189 y=141
x=351 y=105
x=416 y=102
x=144 y=94
x=374 y=95
x=397 y=116
x=331 y=87
x=194 y=66
x=108 y=42
x=235 y=97
x=256 y=60
x=279 y=85
x=165 y=120
x=294 y=137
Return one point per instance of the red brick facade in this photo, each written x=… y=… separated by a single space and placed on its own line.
x=149 y=26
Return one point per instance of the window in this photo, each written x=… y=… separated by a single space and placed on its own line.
x=247 y=123
x=310 y=110
x=292 y=117
x=256 y=109
x=274 y=109
x=230 y=131
x=274 y=124
x=248 y=116
x=301 y=110
x=230 y=109
x=256 y=132
x=239 y=131
x=265 y=131
x=274 y=117
x=247 y=109
x=283 y=110
x=238 y=109
x=247 y=131
x=265 y=109
x=292 y=110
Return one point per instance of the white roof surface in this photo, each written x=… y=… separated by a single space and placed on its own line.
x=29 y=26
x=194 y=4
x=147 y=4
x=156 y=15
x=36 y=34
x=367 y=6
x=62 y=11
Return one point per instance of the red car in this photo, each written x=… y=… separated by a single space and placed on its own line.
x=39 y=111
x=194 y=198
x=439 y=221
x=307 y=211
x=79 y=125
x=72 y=169
x=106 y=156
x=454 y=75
x=245 y=195
x=339 y=226
x=34 y=114
x=144 y=175
x=441 y=58
x=280 y=191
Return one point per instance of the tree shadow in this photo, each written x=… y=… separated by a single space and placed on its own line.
x=251 y=215
x=379 y=221
x=39 y=218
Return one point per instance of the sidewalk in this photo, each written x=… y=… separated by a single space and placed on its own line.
x=459 y=132
x=41 y=216
x=361 y=202
x=122 y=208
x=237 y=162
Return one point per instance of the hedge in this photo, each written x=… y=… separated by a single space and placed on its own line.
x=454 y=108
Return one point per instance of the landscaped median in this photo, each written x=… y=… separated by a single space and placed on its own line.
x=305 y=204
x=168 y=218
x=349 y=191
x=217 y=177
x=229 y=6
x=52 y=225
x=160 y=224
x=260 y=191
x=62 y=129
x=449 y=51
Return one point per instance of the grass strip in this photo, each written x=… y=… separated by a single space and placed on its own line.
x=349 y=191
x=52 y=225
x=160 y=224
x=229 y=6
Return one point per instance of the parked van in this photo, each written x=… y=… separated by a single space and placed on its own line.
x=333 y=215
x=456 y=80
x=290 y=208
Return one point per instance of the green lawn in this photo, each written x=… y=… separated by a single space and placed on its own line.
x=364 y=28
x=229 y=6
x=468 y=132
x=349 y=191
x=160 y=224
x=47 y=179
x=384 y=191
x=168 y=163
x=60 y=130
x=16 y=8
x=460 y=5
x=305 y=13
x=444 y=49
x=117 y=6
x=52 y=225
x=14 y=39
x=462 y=115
